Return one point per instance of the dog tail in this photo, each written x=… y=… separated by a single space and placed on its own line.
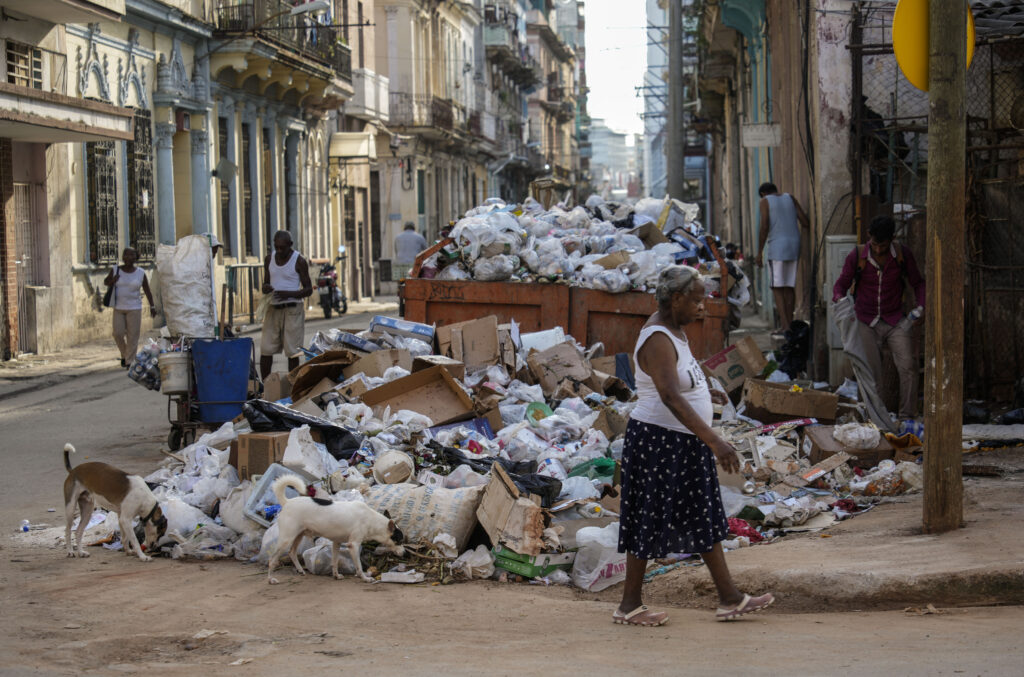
x=68 y=449
x=282 y=483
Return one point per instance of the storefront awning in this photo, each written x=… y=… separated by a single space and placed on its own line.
x=353 y=145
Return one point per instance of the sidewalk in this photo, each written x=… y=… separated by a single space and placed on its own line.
x=34 y=372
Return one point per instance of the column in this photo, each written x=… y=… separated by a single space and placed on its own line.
x=255 y=176
x=291 y=168
x=165 y=182
x=227 y=110
x=270 y=129
x=200 y=179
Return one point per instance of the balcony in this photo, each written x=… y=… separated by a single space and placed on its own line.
x=271 y=22
x=35 y=107
x=370 y=101
x=420 y=110
x=68 y=11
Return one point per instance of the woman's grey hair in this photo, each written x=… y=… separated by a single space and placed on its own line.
x=675 y=280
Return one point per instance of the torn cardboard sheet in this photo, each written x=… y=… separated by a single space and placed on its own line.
x=562 y=362
x=475 y=343
x=510 y=519
x=431 y=392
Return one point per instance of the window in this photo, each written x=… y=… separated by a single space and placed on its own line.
x=225 y=188
x=24 y=65
x=101 y=174
x=139 y=155
x=247 y=190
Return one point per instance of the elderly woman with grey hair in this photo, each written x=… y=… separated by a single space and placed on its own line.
x=670 y=497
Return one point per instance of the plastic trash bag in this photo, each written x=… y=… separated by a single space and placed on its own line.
x=269 y=542
x=495 y=268
x=317 y=559
x=266 y=416
x=394 y=373
x=464 y=476
x=453 y=273
x=182 y=518
x=475 y=564
x=857 y=435
x=598 y=563
x=578 y=489
x=613 y=281
x=303 y=454
x=849 y=390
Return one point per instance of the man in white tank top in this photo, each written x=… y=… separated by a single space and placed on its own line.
x=286 y=275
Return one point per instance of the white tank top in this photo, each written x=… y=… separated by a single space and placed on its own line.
x=285 y=278
x=126 y=290
x=692 y=383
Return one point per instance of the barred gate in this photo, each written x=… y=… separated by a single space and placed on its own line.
x=889 y=160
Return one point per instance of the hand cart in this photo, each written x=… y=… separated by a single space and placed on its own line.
x=219 y=373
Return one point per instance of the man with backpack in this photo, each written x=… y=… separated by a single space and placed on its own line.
x=875 y=274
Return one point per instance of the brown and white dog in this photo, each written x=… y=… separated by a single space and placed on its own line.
x=95 y=483
x=341 y=522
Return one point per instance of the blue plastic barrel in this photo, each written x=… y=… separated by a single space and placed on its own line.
x=222 y=375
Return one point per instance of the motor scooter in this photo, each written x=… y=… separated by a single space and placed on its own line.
x=331 y=287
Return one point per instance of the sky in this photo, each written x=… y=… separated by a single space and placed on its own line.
x=616 y=56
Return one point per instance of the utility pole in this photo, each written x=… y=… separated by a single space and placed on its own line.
x=944 y=315
x=675 y=145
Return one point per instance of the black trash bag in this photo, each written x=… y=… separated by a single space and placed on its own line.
x=1012 y=417
x=796 y=350
x=522 y=475
x=265 y=417
x=974 y=412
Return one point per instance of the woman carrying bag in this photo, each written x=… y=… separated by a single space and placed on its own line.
x=123 y=285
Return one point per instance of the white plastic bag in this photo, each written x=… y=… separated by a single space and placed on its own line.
x=186 y=287
x=857 y=435
x=475 y=564
x=318 y=559
x=495 y=268
x=598 y=563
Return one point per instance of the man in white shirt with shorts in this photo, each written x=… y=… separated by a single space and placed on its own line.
x=781 y=220
x=286 y=275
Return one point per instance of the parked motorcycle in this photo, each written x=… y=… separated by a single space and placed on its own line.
x=332 y=288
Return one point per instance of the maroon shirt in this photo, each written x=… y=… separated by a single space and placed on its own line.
x=879 y=291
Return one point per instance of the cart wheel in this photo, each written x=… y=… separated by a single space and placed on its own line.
x=174 y=439
x=344 y=306
x=188 y=437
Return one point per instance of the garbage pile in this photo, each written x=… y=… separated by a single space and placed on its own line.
x=496 y=453
x=601 y=245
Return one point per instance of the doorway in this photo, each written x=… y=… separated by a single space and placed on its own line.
x=25 y=257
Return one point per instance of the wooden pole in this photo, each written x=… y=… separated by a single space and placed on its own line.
x=944 y=271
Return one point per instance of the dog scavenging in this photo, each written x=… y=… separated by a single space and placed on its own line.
x=412 y=453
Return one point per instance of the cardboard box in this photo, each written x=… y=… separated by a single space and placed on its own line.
x=396 y=327
x=735 y=364
x=322 y=387
x=376 y=363
x=475 y=343
x=357 y=343
x=819 y=444
x=328 y=365
x=277 y=387
x=431 y=392
x=774 y=402
x=307 y=407
x=507 y=345
x=560 y=363
x=257 y=451
x=650 y=234
x=613 y=260
x=510 y=519
x=454 y=367
x=532 y=566
x=352 y=389
x=609 y=365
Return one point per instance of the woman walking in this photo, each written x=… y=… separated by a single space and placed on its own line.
x=127 y=280
x=670 y=497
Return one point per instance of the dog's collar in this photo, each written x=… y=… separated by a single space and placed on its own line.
x=149 y=517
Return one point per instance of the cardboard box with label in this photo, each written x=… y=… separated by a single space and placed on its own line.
x=431 y=392
x=735 y=364
x=257 y=451
x=819 y=444
x=277 y=387
x=397 y=327
x=474 y=343
x=376 y=363
x=774 y=402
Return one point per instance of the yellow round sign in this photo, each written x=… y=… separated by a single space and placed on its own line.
x=910 y=40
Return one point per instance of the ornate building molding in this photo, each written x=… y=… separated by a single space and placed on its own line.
x=131 y=74
x=91 y=63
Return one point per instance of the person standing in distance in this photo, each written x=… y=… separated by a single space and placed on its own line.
x=127 y=281
x=781 y=220
x=287 y=278
x=408 y=244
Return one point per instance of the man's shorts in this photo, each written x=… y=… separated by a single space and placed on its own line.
x=283 y=328
x=783 y=273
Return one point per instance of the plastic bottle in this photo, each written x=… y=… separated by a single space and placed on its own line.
x=25 y=525
x=913 y=316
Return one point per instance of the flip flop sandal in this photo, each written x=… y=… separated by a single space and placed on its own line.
x=640 y=616
x=747 y=606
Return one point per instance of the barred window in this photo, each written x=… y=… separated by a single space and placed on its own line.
x=101 y=172
x=24 y=65
x=141 y=222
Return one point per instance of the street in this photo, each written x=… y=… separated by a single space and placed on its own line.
x=111 y=614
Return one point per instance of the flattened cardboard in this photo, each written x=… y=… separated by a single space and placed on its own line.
x=307 y=407
x=455 y=368
x=819 y=444
x=558 y=364
x=649 y=234
x=431 y=392
x=330 y=365
x=507 y=347
x=322 y=387
x=613 y=260
x=376 y=363
x=277 y=387
x=773 y=402
x=510 y=520
x=475 y=343
x=735 y=364
x=352 y=389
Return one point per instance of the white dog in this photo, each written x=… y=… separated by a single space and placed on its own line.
x=342 y=522
x=112 y=489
